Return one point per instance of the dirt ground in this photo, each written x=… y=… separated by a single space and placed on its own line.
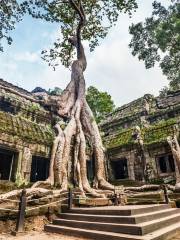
x=38 y=236
x=49 y=236
x=41 y=235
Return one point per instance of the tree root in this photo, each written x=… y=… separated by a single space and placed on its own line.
x=30 y=192
x=143 y=188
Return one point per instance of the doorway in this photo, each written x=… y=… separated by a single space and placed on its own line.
x=39 y=169
x=119 y=168
x=165 y=163
x=90 y=170
x=7 y=164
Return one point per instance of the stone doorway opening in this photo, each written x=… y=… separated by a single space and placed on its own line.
x=165 y=164
x=39 y=169
x=7 y=164
x=90 y=170
x=119 y=168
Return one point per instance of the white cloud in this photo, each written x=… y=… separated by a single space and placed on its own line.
x=26 y=56
x=112 y=68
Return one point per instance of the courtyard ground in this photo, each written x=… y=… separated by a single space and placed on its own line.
x=38 y=236
x=50 y=236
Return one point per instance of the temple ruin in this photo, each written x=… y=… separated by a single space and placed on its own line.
x=26 y=135
x=135 y=136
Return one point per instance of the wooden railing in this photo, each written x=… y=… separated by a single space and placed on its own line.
x=66 y=197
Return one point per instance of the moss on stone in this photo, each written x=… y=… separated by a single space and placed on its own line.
x=159 y=132
x=25 y=129
x=123 y=138
x=25 y=108
x=156 y=133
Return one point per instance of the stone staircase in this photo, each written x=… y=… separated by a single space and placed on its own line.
x=143 y=222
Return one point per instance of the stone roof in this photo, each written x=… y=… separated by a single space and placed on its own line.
x=25 y=129
x=155 y=134
x=16 y=88
x=23 y=119
x=138 y=108
x=156 y=116
x=18 y=105
x=129 y=109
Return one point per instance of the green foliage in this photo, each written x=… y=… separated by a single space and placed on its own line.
x=167 y=90
x=55 y=92
x=11 y=12
x=100 y=17
x=164 y=91
x=100 y=103
x=158 y=40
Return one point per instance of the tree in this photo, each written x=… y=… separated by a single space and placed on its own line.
x=79 y=20
x=157 y=40
x=82 y=21
x=100 y=103
x=10 y=12
x=55 y=91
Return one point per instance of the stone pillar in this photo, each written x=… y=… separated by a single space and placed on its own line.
x=26 y=164
x=130 y=163
x=19 y=163
x=110 y=170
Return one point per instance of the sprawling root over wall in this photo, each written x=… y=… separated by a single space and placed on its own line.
x=81 y=128
x=175 y=148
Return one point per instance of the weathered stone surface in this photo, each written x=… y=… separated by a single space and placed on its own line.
x=157 y=119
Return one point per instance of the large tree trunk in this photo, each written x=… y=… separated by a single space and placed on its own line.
x=80 y=129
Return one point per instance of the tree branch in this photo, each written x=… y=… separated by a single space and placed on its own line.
x=78 y=9
x=77 y=42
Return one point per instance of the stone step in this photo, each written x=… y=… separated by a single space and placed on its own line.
x=133 y=229
x=122 y=211
x=148 y=227
x=119 y=219
x=161 y=234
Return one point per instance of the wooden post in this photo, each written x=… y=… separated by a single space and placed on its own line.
x=70 y=198
x=21 y=214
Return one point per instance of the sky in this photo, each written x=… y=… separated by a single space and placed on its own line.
x=111 y=67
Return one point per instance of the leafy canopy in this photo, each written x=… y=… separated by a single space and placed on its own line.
x=10 y=13
x=158 y=40
x=100 y=103
x=101 y=15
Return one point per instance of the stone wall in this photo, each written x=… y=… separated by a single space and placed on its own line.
x=157 y=118
x=26 y=129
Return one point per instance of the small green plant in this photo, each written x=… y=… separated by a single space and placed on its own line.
x=20 y=181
